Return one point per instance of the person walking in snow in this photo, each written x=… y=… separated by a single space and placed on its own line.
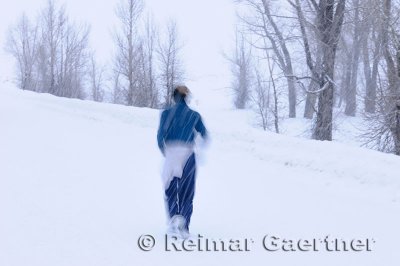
x=178 y=128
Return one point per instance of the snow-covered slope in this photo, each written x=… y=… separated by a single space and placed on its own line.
x=79 y=183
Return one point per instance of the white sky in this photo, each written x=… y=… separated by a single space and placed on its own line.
x=206 y=28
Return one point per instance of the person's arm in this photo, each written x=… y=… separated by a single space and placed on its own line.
x=201 y=128
x=161 y=131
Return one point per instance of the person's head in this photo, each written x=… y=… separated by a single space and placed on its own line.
x=181 y=93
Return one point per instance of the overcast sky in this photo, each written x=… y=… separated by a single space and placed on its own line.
x=206 y=28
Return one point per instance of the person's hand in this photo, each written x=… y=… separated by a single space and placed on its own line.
x=203 y=143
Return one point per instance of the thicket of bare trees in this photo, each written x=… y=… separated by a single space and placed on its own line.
x=384 y=123
x=147 y=65
x=351 y=49
x=51 y=53
x=278 y=31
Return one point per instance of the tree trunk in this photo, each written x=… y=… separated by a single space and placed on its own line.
x=329 y=27
x=323 y=127
x=371 y=75
x=311 y=99
x=351 y=95
x=292 y=97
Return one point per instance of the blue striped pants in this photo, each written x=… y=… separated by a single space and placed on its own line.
x=179 y=195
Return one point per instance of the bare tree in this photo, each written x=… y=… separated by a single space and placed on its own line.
x=330 y=14
x=128 y=50
x=262 y=23
x=275 y=94
x=355 y=26
x=266 y=102
x=117 y=94
x=241 y=72
x=73 y=58
x=310 y=36
x=22 y=44
x=148 y=58
x=96 y=79
x=52 y=21
x=371 y=52
x=261 y=98
x=171 y=68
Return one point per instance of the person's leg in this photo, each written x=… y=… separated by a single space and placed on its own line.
x=186 y=189
x=172 y=198
x=173 y=204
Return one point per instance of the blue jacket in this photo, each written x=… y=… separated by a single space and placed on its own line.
x=179 y=123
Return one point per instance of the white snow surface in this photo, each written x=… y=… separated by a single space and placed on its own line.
x=80 y=182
